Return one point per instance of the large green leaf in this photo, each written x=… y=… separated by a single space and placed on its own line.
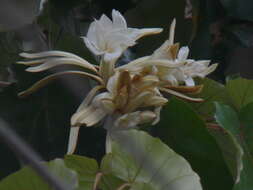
x=237 y=92
x=240 y=91
x=240 y=128
x=239 y=9
x=212 y=91
x=145 y=162
x=186 y=133
x=232 y=150
x=88 y=171
x=26 y=179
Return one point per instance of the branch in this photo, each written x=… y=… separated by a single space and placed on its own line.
x=24 y=151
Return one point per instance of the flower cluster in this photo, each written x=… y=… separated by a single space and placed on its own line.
x=131 y=94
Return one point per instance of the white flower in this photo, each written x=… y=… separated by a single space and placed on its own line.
x=191 y=68
x=111 y=37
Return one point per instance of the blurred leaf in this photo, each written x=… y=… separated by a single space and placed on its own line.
x=240 y=126
x=145 y=162
x=26 y=179
x=183 y=130
x=232 y=77
x=9 y=48
x=239 y=9
x=240 y=91
x=243 y=33
x=15 y=14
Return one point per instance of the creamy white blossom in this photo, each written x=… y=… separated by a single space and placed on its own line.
x=110 y=38
x=128 y=95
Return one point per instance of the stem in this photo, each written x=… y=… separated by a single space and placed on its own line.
x=108 y=143
x=98 y=177
x=108 y=125
x=25 y=152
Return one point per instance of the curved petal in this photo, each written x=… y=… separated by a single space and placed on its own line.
x=52 y=53
x=157 y=112
x=179 y=95
x=189 y=81
x=53 y=62
x=89 y=97
x=41 y=83
x=183 y=53
x=118 y=20
x=139 y=33
x=92 y=47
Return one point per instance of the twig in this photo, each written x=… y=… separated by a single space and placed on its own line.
x=24 y=151
x=123 y=186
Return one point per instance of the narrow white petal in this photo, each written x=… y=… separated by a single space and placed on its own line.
x=73 y=137
x=91 y=34
x=180 y=95
x=50 y=54
x=93 y=118
x=92 y=47
x=172 y=32
x=157 y=112
x=189 y=82
x=106 y=23
x=89 y=97
x=139 y=33
x=211 y=68
x=41 y=83
x=112 y=84
x=118 y=20
x=33 y=62
x=183 y=53
x=53 y=62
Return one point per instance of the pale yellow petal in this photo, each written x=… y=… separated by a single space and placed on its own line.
x=73 y=137
x=89 y=97
x=172 y=92
x=172 y=31
x=53 y=62
x=41 y=83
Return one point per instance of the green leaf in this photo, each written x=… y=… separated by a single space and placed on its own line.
x=240 y=127
x=186 y=133
x=240 y=91
x=239 y=9
x=26 y=178
x=232 y=150
x=87 y=170
x=212 y=91
x=146 y=162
